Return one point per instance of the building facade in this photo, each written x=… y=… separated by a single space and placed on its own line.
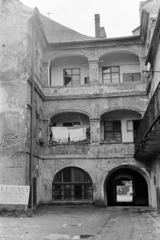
x=71 y=106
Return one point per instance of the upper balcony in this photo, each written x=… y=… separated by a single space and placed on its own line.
x=148 y=138
x=116 y=74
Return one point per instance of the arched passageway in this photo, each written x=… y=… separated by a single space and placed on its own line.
x=72 y=184
x=126 y=186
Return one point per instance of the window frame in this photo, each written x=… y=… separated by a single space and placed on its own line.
x=131 y=77
x=105 y=132
x=71 y=76
x=110 y=73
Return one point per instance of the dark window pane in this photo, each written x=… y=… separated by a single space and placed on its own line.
x=67 y=80
x=76 y=186
x=67 y=175
x=58 y=177
x=117 y=126
x=112 y=131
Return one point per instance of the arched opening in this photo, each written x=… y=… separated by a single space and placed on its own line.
x=70 y=71
x=120 y=67
x=70 y=127
x=72 y=184
x=126 y=186
x=119 y=126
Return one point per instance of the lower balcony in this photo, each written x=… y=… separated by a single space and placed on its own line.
x=148 y=138
x=85 y=150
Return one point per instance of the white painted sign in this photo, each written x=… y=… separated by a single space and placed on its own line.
x=14 y=194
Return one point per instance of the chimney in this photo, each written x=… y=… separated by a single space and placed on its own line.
x=97 y=25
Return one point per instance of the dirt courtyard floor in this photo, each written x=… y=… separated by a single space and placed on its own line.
x=55 y=222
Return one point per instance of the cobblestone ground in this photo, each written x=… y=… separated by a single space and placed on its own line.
x=87 y=222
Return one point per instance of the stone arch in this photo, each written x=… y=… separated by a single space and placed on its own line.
x=67 y=111
x=125 y=167
x=72 y=184
x=68 y=54
x=121 y=108
x=119 y=50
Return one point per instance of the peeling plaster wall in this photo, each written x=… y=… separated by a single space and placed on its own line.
x=14 y=160
x=95 y=107
x=98 y=170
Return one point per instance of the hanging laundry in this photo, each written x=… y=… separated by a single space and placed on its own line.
x=60 y=134
x=78 y=134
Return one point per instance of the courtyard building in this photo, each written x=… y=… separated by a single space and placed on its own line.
x=79 y=115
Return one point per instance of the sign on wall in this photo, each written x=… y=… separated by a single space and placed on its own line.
x=14 y=194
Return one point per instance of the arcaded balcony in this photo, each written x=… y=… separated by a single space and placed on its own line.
x=69 y=128
x=119 y=126
x=110 y=135
x=148 y=138
x=111 y=74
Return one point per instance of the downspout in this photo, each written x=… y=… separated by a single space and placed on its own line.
x=32 y=116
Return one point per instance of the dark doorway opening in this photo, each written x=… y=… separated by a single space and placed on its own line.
x=72 y=184
x=126 y=187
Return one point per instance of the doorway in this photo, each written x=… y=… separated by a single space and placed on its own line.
x=126 y=187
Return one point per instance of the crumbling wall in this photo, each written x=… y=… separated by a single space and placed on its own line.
x=14 y=159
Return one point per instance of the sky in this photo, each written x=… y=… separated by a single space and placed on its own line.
x=119 y=17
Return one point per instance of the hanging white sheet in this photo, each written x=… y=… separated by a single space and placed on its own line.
x=62 y=134
x=77 y=134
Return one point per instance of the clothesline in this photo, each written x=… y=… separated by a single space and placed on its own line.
x=63 y=134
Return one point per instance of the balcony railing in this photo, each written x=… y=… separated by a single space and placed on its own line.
x=150 y=118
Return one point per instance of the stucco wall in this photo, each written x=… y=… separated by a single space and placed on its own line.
x=14 y=160
x=98 y=170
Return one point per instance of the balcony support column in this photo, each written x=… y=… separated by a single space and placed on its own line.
x=93 y=71
x=142 y=66
x=46 y=130
x=95 y=130
x=46 y=74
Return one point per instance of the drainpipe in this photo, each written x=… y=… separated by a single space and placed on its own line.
x=32 y=117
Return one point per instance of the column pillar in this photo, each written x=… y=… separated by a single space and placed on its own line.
x=93 y=72
x=45 y=131
x=95 y=130
x=142 y=66
x=46 y=74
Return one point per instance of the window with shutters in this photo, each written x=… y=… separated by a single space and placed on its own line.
x=72 y=184
x=71 y=77
x=110 y=74
x=112 y=131
x=131 y=77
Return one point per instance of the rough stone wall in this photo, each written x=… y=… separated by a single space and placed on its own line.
x=14 y=159
x=98 y=170
x=94 y=107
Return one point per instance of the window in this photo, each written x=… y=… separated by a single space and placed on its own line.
x=110 y=74
x=72 y=184
x=133 y=126
x=136 y=124
x=131 y=77
x=112 y=131
x=71 y=124
x=71 y=77
x=86 y=80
